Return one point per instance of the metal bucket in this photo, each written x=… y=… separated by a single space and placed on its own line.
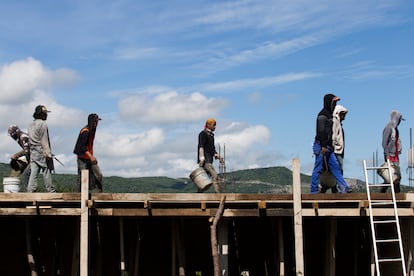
x=201 y=179
x=385 y=175
x=11 y=184
x=327 y=179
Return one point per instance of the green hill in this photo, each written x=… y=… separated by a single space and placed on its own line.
x=262 y=180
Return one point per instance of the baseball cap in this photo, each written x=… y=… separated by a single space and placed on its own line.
x=41 y=109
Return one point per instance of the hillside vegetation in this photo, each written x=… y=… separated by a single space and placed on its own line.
x=250 y=181
x=262 y=180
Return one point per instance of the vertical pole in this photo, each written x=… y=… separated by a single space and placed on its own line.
x=223 y=233
x=174 y=248
x=84 y=225
x=281 y=247
x=373 y=164
x=224 y=166
x=410 y=161
x=410 y=265
x=332 y=230
x=121 y=245
x=297 y=209
x=137 y=250
x=30 y=257
x=213 y=235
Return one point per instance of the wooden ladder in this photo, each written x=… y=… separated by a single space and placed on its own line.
x=379 y=222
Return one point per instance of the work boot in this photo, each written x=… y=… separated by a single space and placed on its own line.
x=347 y=190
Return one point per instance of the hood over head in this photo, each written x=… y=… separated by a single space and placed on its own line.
x=338 y=110
x=329 y=102
x=93 y=118
x=396 y=118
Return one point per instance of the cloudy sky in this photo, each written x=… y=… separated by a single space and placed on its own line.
x=156 y=70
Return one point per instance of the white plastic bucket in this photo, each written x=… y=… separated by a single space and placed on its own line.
x=11 y=184
x=327 y=179
x=385 y=174
x=201 y=179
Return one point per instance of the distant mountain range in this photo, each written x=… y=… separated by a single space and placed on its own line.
x=260 y=180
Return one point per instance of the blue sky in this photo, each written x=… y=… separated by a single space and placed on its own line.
x=156 y=70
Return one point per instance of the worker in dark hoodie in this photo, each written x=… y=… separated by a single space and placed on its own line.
x=85 y=157
x=323 y=148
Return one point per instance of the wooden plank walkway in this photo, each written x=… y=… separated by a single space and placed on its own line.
x=195 y=204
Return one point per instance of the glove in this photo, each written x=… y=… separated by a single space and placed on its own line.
x=14 y=164
x=49 y=164
x=323 y=150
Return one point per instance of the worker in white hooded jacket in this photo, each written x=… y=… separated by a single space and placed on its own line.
x=338 y=136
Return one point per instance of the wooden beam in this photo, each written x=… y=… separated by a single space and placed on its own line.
x=281 y=245
x=213 y=232
x=30 y=257
x=84 y=225
x=122 y=246
x=297 y=210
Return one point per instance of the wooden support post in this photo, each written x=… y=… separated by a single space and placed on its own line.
x=137 y=251
x=213 y=232
x=410 y=230
x=181 y=250
x=281 y=245
x=30 y=257
x=174 y=248
x=84 y=225
x=223 y=240
x=330 y=246
x=178 y=250
x=297 y=210
x=121 y=246
x=75 y=252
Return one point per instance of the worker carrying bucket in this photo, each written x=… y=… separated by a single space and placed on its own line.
x=392 y=146
x=205 y=175
x=19 y=162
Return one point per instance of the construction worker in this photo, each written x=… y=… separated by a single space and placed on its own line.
x=41 y=159
x=85 y=157
x=207 y=152
x=323 y=148
x=20 y=160
x=391 y=144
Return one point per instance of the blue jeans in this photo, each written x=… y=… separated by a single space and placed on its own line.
x=333 y=165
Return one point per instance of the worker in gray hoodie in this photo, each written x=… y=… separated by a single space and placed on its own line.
x=392 y=146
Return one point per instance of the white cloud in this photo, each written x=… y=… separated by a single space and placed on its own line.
x=169 y=107
x=258 y=82
x=128 y=145
x=20 y=80
x=240 y=138
x=136 y=53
